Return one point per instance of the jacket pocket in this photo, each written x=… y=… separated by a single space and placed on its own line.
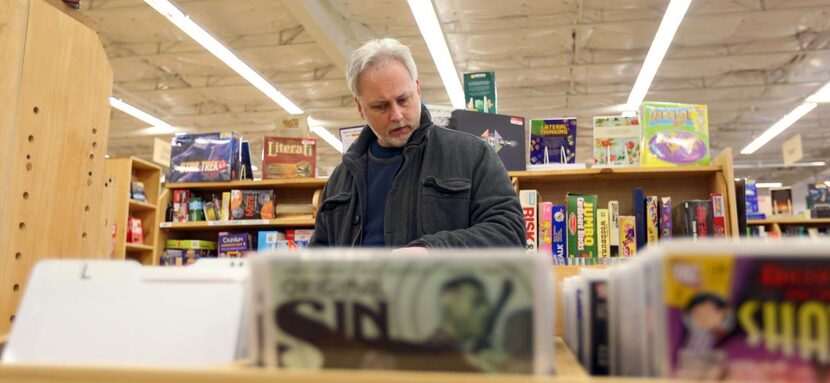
x=445 y=204
x=336 y=212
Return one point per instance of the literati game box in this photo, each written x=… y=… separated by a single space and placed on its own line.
x=204 y=157
x=289 y=157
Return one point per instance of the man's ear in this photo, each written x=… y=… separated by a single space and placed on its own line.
x=359 y=107
x=418 y=87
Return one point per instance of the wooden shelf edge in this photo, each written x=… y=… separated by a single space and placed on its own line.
x=226 y=225
x=629 y=171
x=138 y=247
x=789 y=221
x=261 y=184
x=138 y=205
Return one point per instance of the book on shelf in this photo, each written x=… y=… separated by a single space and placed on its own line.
x=582 y=226
x=740 y=204
x=718 y=215
x=603 y=233
x=616 y=141
x=552 y=141
x=559 y=234
x=693 y=218
x=665 y=207
x=529 y=200
x=652 y=220
x=480 y=92
x=628 y=236
x=545 y=229
x=782 y=200
x=477 y=311
x=505 y=134
x=638 y=208
x=674 y=134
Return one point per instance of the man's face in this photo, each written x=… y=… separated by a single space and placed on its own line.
x=390 y=102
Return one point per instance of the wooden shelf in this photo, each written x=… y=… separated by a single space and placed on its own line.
x=613 y=173
x=567 y=370
x=138 y=247
x=789 y=221
x=305 y=221
x=247 y=184
x=141 y=206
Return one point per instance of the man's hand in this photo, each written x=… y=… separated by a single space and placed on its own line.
x=410 y=250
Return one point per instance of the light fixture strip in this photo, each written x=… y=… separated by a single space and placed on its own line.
x=659 y=46
x=767 y=185
x=328 y=137
x=430 y=28
x=138 y=113
x=776 y=129
x=214 y=46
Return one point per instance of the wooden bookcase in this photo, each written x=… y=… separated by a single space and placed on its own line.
x=680 y=183
x=290 y=191
x=55 y=80
x=120 y=173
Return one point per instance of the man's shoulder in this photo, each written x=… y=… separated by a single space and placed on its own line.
x=457 y=137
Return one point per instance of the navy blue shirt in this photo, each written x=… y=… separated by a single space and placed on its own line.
x=382 y=165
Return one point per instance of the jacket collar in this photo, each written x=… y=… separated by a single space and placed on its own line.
x=361 y=146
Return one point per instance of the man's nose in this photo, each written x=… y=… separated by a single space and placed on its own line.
x=396 y=113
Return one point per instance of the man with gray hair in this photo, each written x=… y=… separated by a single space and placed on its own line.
x=407 y=183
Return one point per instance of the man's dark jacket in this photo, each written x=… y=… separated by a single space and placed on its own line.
x=451 y=190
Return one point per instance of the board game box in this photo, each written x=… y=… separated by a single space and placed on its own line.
x=616 y=141
x=674 y=134
x=289 y=157
x=205 y=157
x=252 y=204
x=553 y=141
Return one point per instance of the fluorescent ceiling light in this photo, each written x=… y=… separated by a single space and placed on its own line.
x=768 y=185
x=431 y=31
x=822 y=95
x=779 y=127
x=188 y=26
x=778 y=165
x=827 y=183
x=328 y=137
x=629 y=113
x=665 y=34
x=157 y=126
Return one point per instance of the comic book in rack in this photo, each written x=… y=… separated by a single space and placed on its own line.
x=744 y=313
x=476 y=311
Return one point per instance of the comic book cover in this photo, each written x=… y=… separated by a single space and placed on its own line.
x=748 y=318
x=674 y=134
x=616 y=141
x=444 y=311
x=553 y=141
x=289 y=157
x=582 y=226
x=204 y=157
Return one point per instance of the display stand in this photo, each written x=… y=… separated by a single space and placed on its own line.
x=120 y=173
x=55 y=81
